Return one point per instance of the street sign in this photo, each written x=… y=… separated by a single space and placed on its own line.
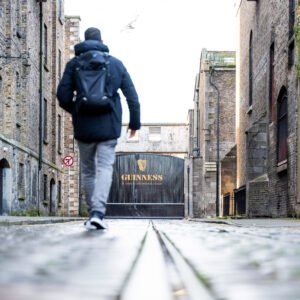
x=68 y=161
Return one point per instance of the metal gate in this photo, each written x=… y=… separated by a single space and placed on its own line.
x=147 y=185
x=240 y=200
x=226 y=204
x=1 y=190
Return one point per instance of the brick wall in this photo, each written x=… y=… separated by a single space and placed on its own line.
x=71 y=174
x=223 y=77
x=20 y=105
x=257 y=153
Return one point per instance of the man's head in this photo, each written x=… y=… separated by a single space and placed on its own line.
x=92 y=33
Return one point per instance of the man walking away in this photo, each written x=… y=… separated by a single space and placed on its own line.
x=89 y=91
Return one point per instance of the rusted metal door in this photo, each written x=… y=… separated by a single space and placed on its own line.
x=147 y=185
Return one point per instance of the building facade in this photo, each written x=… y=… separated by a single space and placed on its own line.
x=212 y=133
x=31 y=121
x=156 y=138
x=267 y=104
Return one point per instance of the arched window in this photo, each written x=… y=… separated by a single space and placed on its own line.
x=282 y=126
x=251 y=69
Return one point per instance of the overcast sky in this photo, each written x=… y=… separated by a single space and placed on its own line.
x=161 y=46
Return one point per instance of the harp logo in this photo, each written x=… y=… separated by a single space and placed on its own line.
x=142 y=164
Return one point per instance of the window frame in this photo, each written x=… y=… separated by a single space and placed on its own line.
x=272 y=114
x=282 y=126
x=45 y=121
x=250 y=102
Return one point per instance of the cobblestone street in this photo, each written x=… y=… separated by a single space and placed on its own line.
x=160 y=259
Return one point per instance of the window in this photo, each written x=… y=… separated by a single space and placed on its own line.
x=282 y=126
x=21 y=183
x=292 y=15
x=45 y=123
x=59 y=193
x=1 y=84
x=45 y=44
x=19 y=19
x=59 y=64
x=59 y=133
x=18 y=132
x=272 y=85
x=60 y=6
x=155 y=134
x=45 y=186
x=18 y=97
x=291 y=54
x=250 y=69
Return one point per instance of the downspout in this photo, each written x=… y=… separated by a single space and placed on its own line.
x=41 y=104
x=41 y=89
x=218 y=142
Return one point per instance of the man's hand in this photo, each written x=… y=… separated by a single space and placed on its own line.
x=131 y=133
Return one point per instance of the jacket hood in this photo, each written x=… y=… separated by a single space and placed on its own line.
x=90 y=45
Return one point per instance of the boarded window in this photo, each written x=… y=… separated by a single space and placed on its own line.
x=282 y=126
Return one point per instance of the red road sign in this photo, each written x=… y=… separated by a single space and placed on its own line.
x=68 y=161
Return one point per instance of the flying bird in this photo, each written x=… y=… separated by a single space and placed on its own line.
x=130 y=25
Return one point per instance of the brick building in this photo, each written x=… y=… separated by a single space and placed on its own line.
x=71 y=177
x=214 y=102
x=31 y=121
x=267 y=104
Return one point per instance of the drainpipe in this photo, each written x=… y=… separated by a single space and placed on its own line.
x=41 y=89
x=218 y=142
x=41 y=103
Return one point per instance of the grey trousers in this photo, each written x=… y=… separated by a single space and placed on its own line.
x=97 y=161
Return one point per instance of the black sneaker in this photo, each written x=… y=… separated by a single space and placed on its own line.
x=97 y=220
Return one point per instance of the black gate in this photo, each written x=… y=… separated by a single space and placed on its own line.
x=147 y=185
x=240 y=200
x=226 y=204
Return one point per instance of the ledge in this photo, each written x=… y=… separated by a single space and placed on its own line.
x=282 y=166
x=249 y=111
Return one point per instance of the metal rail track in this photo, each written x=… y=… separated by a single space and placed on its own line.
x=162 y=273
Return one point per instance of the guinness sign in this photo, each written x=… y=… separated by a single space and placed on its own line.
x=147 y=184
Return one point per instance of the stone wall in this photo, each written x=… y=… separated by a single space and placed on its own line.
x=33 y=188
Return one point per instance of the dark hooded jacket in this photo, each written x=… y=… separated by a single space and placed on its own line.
x=105 y=126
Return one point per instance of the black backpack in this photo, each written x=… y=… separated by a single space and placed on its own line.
x=92 y=83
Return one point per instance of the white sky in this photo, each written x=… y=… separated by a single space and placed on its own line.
x=162 y=52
